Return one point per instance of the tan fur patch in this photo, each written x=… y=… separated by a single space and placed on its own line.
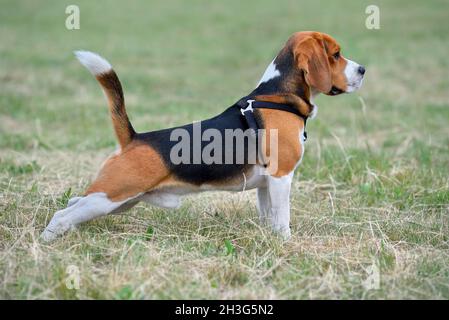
x=136 y=169
x=289 y=148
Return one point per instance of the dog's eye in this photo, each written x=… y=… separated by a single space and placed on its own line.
x=336 y=55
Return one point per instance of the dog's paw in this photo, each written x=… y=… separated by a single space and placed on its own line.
x=283 y=232
x=56 y=227
x=48 y=235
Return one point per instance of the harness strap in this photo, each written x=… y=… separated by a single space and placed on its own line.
x=247 y=109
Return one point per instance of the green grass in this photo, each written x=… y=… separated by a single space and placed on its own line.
x=373 y=187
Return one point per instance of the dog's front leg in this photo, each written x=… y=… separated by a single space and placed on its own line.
x=279 y=202
x=263 y=204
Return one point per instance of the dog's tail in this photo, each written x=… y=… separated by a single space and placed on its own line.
x=106 y=76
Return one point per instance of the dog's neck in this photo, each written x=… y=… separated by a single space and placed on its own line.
x=283 y=83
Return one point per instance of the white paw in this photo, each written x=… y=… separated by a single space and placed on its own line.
x=56 y=227
x=48 y=235
x=284 y=232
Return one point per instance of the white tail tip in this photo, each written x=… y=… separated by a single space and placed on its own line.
x=93 y=62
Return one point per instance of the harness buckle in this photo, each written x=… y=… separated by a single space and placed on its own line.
x=248 y=108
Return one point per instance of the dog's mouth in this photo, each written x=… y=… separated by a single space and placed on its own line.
x=351 y=87
x=335 y=91
x=354 y=86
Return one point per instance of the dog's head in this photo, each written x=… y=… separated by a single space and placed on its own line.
x=325 y=69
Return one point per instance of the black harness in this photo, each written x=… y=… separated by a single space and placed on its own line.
x=247 y=107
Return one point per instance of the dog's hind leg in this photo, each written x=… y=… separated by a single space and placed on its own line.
x=162 y=199
x=122 y=181
x=72 y=201
x=87 y=208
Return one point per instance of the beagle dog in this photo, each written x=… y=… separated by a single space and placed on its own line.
x=143 y=169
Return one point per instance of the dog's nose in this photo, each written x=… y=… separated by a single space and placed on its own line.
x=361 y=70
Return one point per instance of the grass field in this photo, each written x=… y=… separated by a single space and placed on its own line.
x=372 y=190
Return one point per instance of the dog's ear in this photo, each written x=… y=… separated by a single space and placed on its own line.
x=310 y=56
